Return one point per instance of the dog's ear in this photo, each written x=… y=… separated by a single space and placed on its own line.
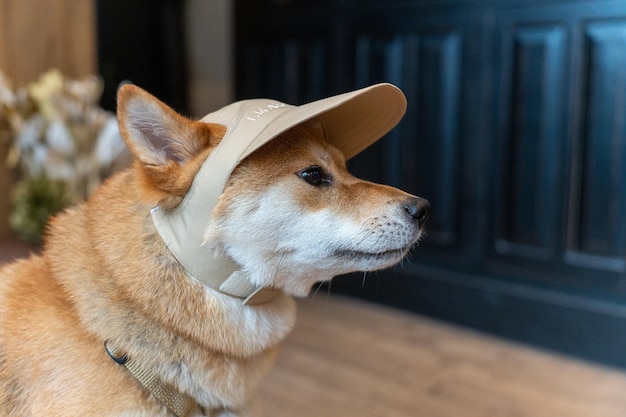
x=168 y=148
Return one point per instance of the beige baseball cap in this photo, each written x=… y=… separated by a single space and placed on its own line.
x=352 y=122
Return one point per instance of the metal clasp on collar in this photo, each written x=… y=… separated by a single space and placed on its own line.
x=119 y=359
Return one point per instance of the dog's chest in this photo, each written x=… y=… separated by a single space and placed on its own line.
x=222 y=382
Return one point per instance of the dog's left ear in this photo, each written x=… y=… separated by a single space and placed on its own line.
x=168 y=148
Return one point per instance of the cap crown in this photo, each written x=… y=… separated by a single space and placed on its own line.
x=352 y=121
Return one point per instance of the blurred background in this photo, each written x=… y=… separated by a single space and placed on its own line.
x=515 y=132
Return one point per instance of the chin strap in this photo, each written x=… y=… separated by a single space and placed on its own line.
x=238 y=285
x=211 y=267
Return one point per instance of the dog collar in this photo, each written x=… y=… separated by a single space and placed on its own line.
x=352 y=121
x=179 y=404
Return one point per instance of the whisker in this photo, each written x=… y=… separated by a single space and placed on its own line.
x=403 y=259
x=317 y=289
x=328 y=291
x=366 y=232
x=278 y=266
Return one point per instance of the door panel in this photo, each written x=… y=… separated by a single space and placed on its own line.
x=515 y=131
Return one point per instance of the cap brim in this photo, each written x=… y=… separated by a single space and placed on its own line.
x=352 y=121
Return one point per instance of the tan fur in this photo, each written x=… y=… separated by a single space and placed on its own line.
x=105 y=274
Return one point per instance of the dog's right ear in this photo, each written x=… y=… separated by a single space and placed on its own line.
x=168 y=148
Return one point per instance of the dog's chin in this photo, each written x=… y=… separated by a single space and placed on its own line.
x=371 y=261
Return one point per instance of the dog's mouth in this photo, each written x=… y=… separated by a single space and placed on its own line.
x=383 y=256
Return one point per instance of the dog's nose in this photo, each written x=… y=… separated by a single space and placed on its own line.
x=418 y=208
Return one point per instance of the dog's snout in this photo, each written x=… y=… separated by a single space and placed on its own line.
x=418 y=208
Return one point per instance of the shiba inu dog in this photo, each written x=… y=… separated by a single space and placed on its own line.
x=169 y=291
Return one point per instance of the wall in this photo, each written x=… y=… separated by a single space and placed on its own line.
x=209 y=43
x=36 y=35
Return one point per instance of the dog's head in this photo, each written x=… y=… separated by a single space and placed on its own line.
x=290 y=214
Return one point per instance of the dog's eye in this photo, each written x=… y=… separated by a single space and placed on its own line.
x=314 y=175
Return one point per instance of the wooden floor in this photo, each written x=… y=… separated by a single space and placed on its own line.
x=348 y=358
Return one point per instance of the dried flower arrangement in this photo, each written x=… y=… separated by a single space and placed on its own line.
x=62 y=146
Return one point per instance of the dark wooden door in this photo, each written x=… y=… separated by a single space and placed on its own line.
x=142 y=41
x=516 y=133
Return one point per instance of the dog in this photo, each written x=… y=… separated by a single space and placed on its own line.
x=107 y=291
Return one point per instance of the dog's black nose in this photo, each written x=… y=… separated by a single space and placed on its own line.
x=418 y=208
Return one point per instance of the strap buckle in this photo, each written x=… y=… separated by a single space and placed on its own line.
x=120 y=359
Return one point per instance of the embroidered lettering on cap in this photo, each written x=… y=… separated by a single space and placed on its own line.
x=255 y=115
